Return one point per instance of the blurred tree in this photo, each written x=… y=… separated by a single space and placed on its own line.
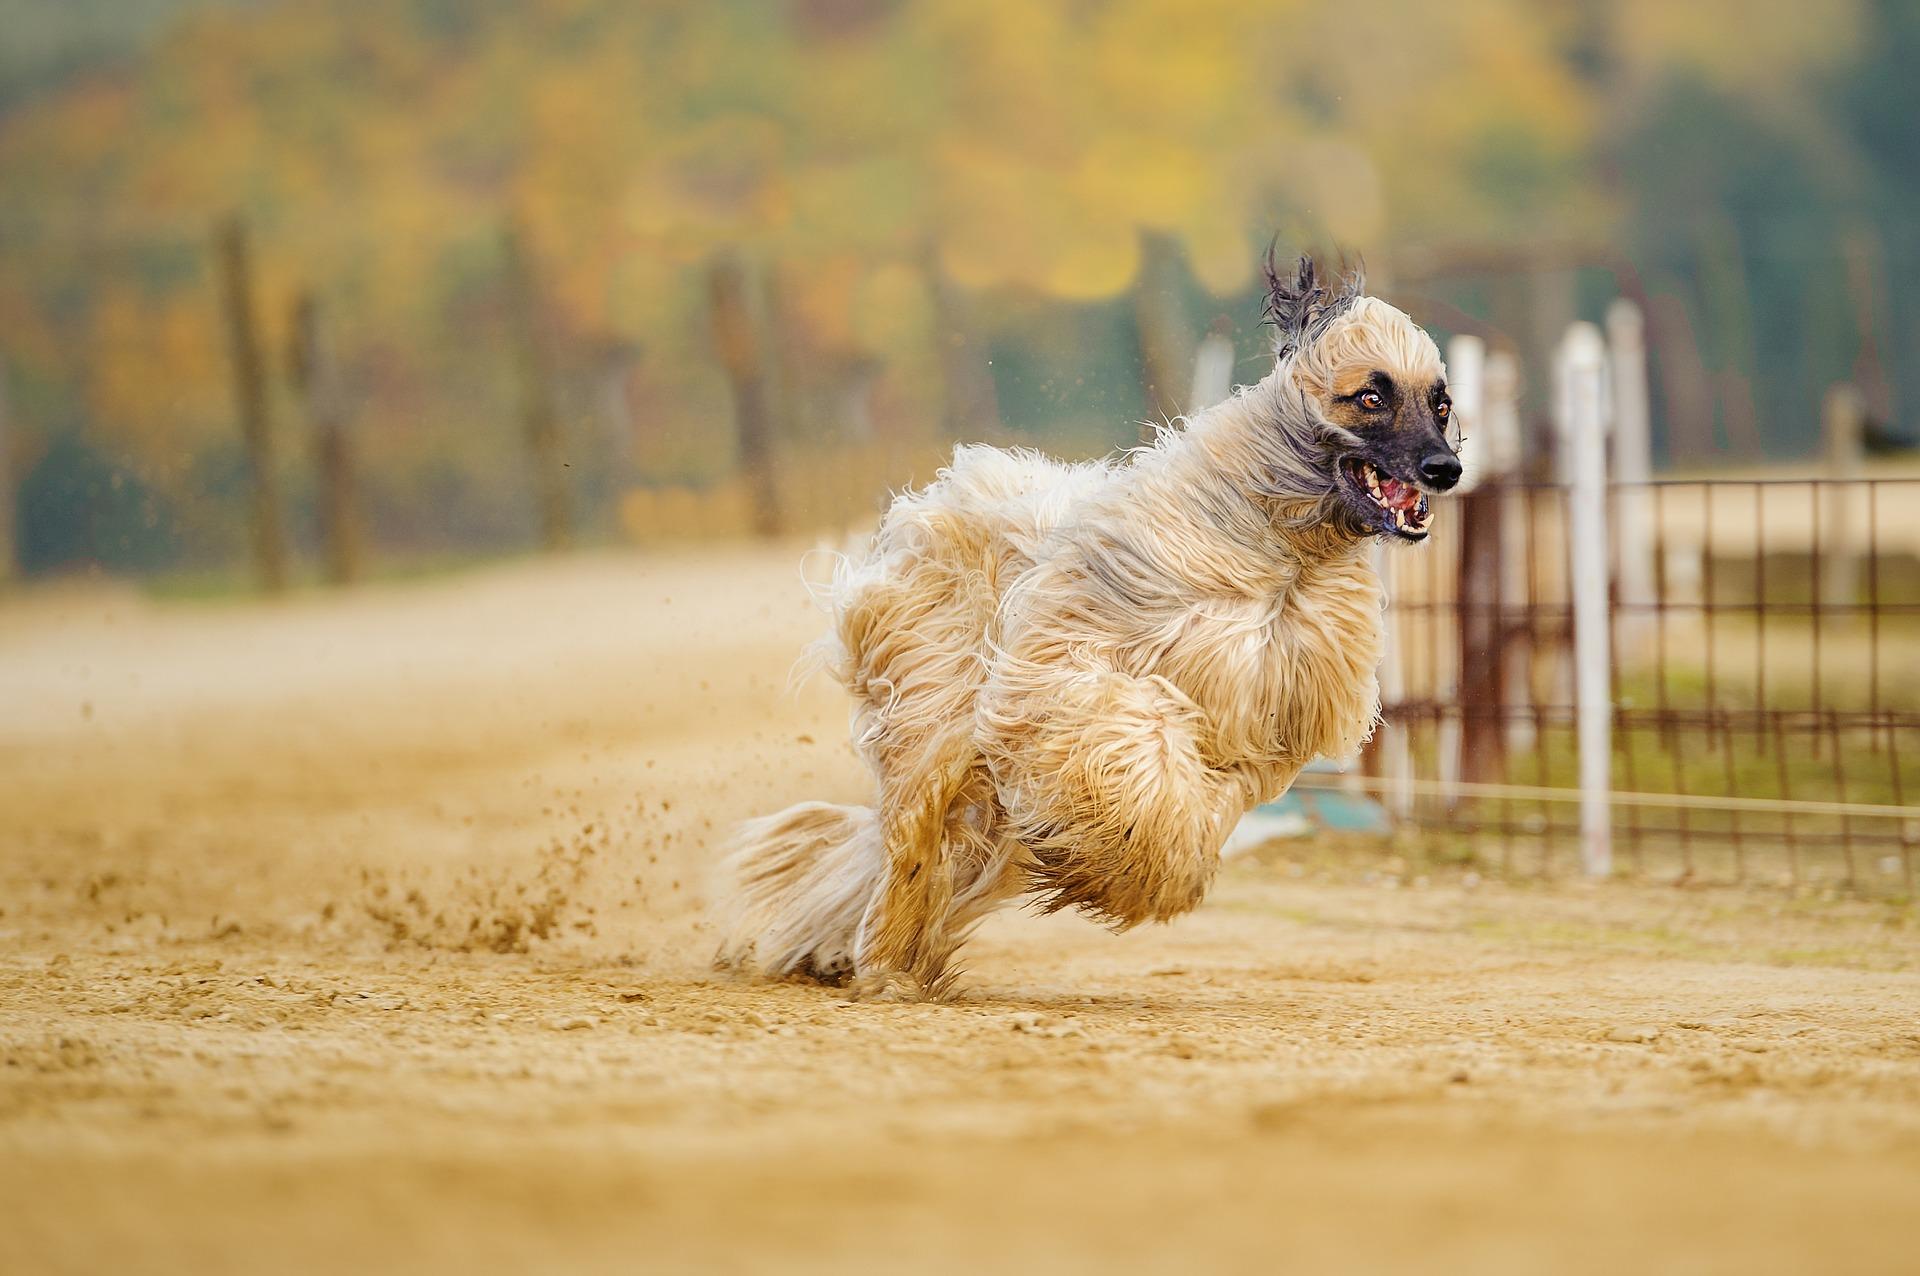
x=250 y=402
x=78 y=509
x=1743 y=223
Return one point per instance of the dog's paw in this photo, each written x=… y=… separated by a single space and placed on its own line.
x=732 y=960
x=887 y=985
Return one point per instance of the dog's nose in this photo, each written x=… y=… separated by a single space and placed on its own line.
x=1441 y=470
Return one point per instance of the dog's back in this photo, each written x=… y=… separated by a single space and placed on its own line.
x=913 y=621
x=912 y=618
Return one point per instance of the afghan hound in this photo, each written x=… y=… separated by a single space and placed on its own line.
x=1070 y=681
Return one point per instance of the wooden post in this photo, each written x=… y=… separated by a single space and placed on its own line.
x=739 y=348
x=9 y=561
x=250 y=398
x=1552 y=304
x=1160 y=317
x=969 y=402
x=1481 y=740
x=316 y=378
x=539 y=417
x=1632 y=463
x=1212 y=368
x=1865 y=256
x=1686 y=391
x=1843 y=424
x=1582 y=360
x=1728 y=313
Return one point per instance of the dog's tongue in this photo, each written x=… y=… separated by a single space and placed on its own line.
x=1396 y=495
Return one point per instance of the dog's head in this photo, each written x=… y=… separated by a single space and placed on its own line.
x=1377 y=389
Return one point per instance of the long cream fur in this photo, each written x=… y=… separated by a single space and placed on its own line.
x=1071 y=680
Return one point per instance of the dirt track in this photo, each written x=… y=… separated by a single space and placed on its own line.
x=366 y=933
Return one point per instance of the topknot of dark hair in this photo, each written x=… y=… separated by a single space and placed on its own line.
x=1299 y=306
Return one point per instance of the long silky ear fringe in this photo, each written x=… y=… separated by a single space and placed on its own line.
x=1298 y=305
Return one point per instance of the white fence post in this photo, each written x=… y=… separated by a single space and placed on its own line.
x=1396 y=753
x=1466 y=383
x=1212 y=371
x=1500 y=424
x=1500 y=418
x=1582 y=359
x=1632 y=457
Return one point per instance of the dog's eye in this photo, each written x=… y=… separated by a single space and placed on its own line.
x=1443 y=409
x=1371 y=400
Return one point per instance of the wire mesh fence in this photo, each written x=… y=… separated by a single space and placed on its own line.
x=1764 y=681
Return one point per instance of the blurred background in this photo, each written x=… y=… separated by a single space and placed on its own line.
x=300 y=289
x=370 y=927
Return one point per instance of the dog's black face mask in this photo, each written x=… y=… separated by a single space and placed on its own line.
x=1402 y=455
x=1388 y=449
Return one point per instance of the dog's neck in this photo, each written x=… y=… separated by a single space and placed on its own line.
x=1236 y=471
x=1205 y=517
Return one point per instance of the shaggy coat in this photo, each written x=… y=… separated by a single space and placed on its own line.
x=1070 y=681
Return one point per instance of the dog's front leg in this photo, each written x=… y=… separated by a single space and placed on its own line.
x=1106 y=782
x=905 y=940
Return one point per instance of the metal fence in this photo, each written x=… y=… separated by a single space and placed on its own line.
x=1763 y=680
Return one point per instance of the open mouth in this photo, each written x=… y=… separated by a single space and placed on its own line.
x=1399 y=506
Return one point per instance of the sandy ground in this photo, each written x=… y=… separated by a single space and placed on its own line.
x=365 y=933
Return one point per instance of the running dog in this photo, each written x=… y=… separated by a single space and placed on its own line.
x=1070 y=681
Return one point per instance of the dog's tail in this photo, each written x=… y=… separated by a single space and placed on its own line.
x=801 y=883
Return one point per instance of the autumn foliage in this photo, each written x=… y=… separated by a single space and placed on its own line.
x=898 y=182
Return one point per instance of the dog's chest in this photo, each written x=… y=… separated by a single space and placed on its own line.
x=1284 y=678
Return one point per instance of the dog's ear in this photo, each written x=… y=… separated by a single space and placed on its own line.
x=1299 y=305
